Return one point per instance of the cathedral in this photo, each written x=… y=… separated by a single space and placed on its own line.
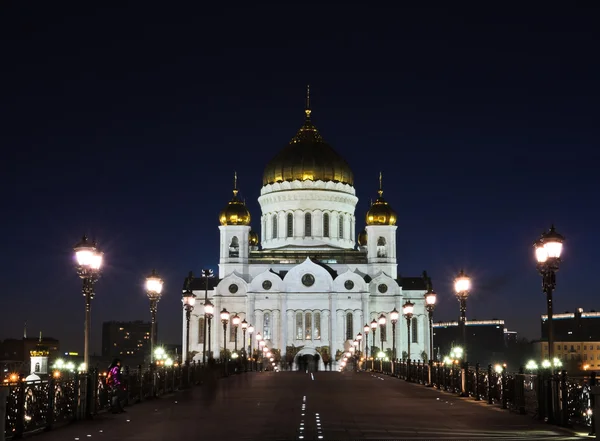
x=305 y=284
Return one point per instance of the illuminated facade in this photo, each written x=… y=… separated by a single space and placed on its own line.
x=305 y=281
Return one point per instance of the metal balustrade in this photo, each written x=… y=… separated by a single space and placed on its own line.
x=40 y=405
x=551 y=397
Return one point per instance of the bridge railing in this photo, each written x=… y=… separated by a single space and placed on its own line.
x=548 y=396
x=40 y=405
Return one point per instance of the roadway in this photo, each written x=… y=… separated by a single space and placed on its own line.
x=323 y=405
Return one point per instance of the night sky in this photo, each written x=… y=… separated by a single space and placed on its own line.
x=128 y=123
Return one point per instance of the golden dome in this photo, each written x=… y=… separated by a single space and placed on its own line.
x=380 y=212
x=235 y=213
x=253 y=239
x=362 y=238
x=308 y=158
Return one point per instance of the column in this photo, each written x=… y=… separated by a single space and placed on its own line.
x=341 y=336
x=289 y=325
x=217 y=329
x=325 y=327
x=258 y=326
x=332 y=324
x=283 y=324
x=275 y=326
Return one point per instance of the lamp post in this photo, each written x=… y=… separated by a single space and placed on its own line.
x=462 y=287
x=366 y=330
x=209 y=311
x=89 y=262
x=382 y=321
x=548 y=249
x=430 y=299
x=235 y=322
x=250 y=332
x=188 y=300
x=359 y=337
x=206 y=274
x=154 y=286
x=224 y=321
x=244 y=328
x=407 y=311
x=394 y=318
x=374 y=330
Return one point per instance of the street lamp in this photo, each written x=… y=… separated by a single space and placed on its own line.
x=359 y=337
x=250 y=332
x=394 y=318
x=407 y=311
x=381 y=328
x=235 y=322
x=209 y=311
x=89 y=262
x=374 y=330
x=366 y=330
x=154 y=286
x=430 y=299
x=224 y=321
x=462 y=287
x=189 y=300
x=206 y=274
x=548 y=249
x=244 y=328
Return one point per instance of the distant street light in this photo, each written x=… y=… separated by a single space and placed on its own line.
x=430 y=300
x=548 y=249
x=394 y=319
x=462 y=287
x=209 y=311
x=188 y=300
x=366 y=330
x=374 y=330
x=235 y=322
x=154 y=286
x=407 y=311
x=89 y=262
x=206 y=275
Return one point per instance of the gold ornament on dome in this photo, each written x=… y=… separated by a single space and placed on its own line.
x=308 y=158
x=380 y=212
x=253 y=239
x=235 y=213
x=362 y=238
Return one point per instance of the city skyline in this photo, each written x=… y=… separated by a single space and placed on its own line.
x=132 y=136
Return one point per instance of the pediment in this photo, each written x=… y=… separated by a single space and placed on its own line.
x=308 y=277
x=358 y=284
x=226 y=286
x=259 y=282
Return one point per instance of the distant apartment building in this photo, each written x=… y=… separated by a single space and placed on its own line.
x=486 y=340
x=576 y=339
x=126 y=339
x=18 y=349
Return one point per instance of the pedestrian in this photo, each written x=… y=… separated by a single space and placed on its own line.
x=114 y=383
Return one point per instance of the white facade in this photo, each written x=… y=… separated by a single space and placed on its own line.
x=309 y=284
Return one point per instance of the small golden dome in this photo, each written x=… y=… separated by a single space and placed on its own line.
x=235 y=213
x=308 y=158
x=362 y=238
x=380 y=212
x=253 y=239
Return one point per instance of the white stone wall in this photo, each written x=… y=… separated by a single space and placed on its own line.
x=298 y=198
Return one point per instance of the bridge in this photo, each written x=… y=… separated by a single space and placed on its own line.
x=293 y=405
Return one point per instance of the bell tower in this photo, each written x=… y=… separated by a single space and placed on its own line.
x=235 y=235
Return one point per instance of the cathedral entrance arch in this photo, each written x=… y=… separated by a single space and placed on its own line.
x=308 y=359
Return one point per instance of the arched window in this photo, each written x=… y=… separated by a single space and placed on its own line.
x=234 y=247
x=341 y=226
x=308 y=326
x=349 y=326
x=274 y=229
x=325 y=224
x=232 y=331
x=383 y=331
x=201 y=330
x=317 y=335
x=290 y=225
x=307 y=225
x=267 y=326
x=415 y=330
x=381 y=248
x=299 y=326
